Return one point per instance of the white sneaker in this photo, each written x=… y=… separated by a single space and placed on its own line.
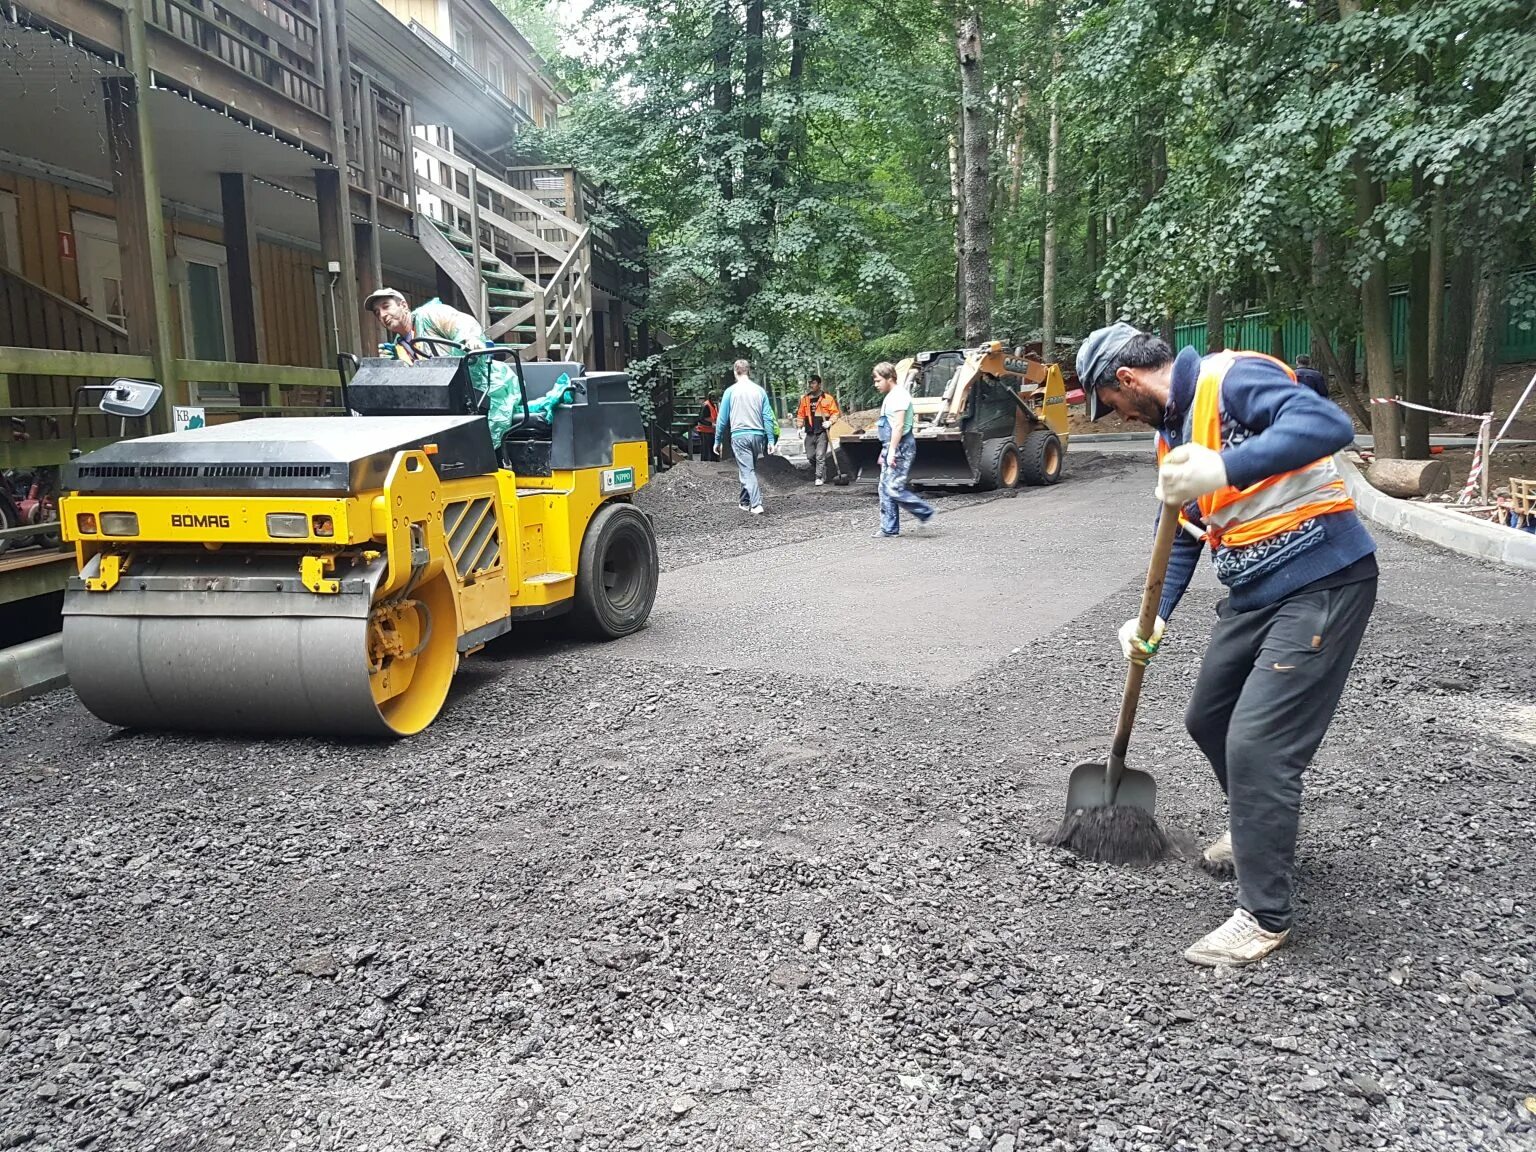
x=1219 y=853
x=758 y=511
x=818 y=483
x=1239 y=941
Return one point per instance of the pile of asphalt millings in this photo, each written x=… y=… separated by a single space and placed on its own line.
x=622 y=902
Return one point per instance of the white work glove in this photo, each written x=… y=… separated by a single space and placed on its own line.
x=1135 y=649
x=1189 y=472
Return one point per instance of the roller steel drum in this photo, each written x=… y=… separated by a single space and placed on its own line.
x=183 y=643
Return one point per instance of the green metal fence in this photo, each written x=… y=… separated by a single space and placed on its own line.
x=1252 y=330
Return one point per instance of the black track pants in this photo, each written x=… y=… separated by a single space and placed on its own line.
x=1265 y=696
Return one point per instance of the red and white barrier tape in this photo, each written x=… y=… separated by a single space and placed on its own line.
x=1422 y=408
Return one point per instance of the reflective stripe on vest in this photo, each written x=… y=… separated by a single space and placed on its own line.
x=1277 y=504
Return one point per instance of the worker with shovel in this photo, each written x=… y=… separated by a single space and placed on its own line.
x=1247 y=454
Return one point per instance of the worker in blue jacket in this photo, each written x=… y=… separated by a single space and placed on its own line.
x=748 y=413
x=1246 y=453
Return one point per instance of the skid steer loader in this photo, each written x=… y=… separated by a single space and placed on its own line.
x=325 y=576
x=984 y=420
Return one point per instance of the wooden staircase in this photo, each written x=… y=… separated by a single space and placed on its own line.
x=524 y=268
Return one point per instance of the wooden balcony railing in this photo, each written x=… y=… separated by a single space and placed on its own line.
x=274 y=42
x=47 y=373
x=376 y=141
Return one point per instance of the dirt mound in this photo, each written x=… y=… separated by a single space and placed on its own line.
x=778 y=472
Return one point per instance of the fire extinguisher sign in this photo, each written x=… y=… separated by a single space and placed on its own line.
x=66 y=245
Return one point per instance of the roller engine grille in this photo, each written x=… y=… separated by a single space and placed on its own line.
x=205 y=471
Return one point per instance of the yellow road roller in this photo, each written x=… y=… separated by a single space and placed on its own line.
x=325 y=575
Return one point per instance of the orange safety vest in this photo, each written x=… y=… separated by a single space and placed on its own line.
x=825 y=407
x=1238 y=518
x=707 y=416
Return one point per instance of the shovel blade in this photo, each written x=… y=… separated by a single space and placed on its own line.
x=1088 y=787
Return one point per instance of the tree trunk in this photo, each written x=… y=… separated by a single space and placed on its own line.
x=722 y=32
x=1341 y=364
x=1109 y=240
x=1273 y=320
x=1436 y=293
x=1406 y=479
x=752 y=76
x=975 y=165
x=1091 y=245
x=1017 y=140
x=1376 y=325
x=1048 y=271
x=1457 y=329
x=791 y=140
x=754 y=240
x=1166 y=329
x=1349 y=380
x=1215 y=322
x=1416 y=375
x=1322 y=346
x=1483 y=347
x=957 y=209
x=1508 y=191
x=723 y=36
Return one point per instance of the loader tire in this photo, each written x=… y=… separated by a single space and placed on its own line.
x=999 y=464
x=1041 y=457
x=616 y=573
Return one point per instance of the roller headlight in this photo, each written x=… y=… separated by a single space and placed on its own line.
x=119 y=523
x=288 y=525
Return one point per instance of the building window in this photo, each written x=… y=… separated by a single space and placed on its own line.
x=494 y=74
x=525 y=100
x=463 y=44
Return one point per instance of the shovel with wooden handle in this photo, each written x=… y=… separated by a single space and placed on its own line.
x=1096 y=785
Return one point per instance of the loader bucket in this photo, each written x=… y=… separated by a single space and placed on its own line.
x=943 y=462
x=940 y=462
x=860 y=456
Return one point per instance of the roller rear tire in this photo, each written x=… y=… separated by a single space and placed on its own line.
x=616 y=573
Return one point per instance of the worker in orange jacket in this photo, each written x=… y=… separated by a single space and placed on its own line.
x=709 y=412
x=817 y=411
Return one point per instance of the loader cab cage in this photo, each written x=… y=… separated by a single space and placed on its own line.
x=935 y=371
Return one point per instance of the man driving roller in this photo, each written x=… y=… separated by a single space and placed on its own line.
x=411 y=332
x=434 y=320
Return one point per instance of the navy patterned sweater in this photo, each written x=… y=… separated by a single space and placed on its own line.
x=1269 y=424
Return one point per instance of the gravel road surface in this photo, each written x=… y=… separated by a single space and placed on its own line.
x=766 y=876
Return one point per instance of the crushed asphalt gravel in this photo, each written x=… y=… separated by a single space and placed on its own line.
x=617 y=899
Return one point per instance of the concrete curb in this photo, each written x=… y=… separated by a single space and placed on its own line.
x=1451 y=530
x=29 y=669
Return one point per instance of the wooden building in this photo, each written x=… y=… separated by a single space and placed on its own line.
x=179 y=178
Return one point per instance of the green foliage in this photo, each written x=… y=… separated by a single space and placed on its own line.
x=808 y=222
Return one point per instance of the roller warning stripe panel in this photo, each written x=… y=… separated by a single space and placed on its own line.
x=473 y=539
